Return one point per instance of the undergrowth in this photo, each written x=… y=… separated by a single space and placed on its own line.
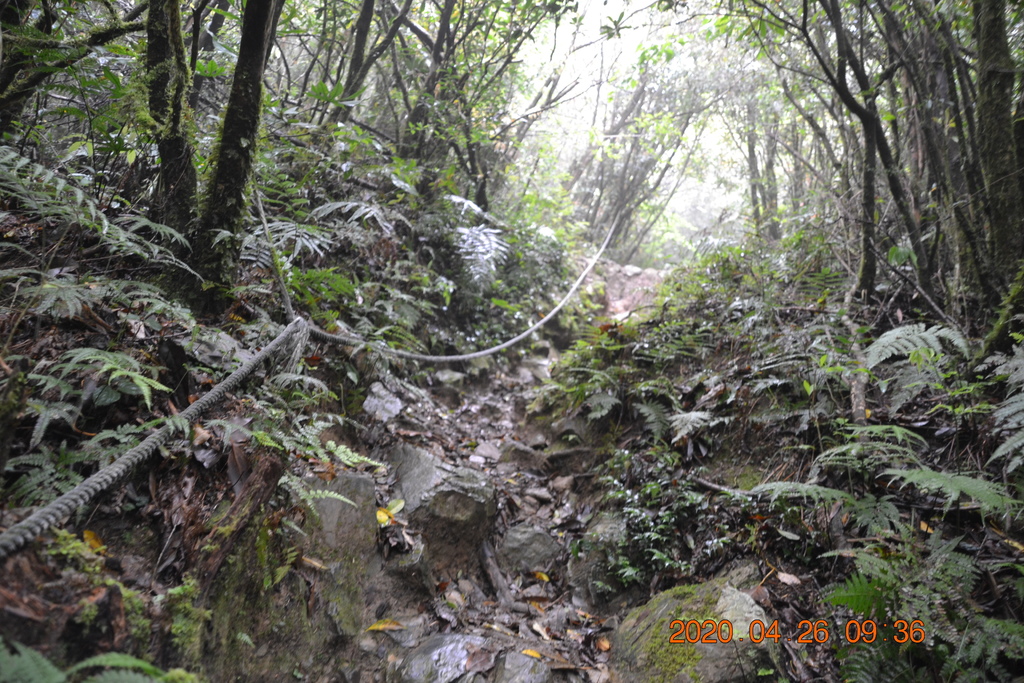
x=749 y=362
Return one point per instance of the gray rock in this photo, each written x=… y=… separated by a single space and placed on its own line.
x=488 y=450
x=452 y=377
x=527 y=548
x=515 y=667
x=452 y=506
x=348 y=544
x=594 y=585
x=217 y=349
x=643 y=652
x=522 y=455
x=381 y=403
x=442 y=658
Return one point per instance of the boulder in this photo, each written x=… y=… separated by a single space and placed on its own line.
x=442 y=658
x=527 y=548
x=644 y=651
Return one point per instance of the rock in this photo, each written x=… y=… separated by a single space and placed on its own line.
x=217 y=349
x=348 y=540
x=527 y=548
x=452 y=377
x=644 y=653
x=488 y=450
x=594 y=585
x=452 y=506
x=442 y=658
x=563 y=484
x=515 y=667
x=522 y=455
x=631 y=271
x=539 y=493
x=381 y=403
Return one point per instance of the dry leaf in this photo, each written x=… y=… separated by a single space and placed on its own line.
x=789 y=579
x=384 y=517
x=315 y=564
x=386 y=625
x=541 y=576
x=533 y=653
x=200 y=435
x=603 y=644
x=93 y=540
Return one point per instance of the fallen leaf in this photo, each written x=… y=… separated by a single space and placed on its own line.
x=541 y=576
x=541 y=631
x=533 y=653
x=200 y=435
x=93 y=540
x=603 y=644
x=789 y=579
x=386 y=625
x=315 y=564
x=396 y=506
x=384 y=517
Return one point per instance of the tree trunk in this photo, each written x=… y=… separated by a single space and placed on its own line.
x=216 y=256
x=995 y=129
x=866 y=273
x=175 y=201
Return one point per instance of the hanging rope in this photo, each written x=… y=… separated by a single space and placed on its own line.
x=320 y=335
x=44 y=518
x=291 y=340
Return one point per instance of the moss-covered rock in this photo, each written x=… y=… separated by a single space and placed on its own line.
x=645 y=653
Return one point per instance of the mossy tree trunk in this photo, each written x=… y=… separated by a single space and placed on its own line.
x=995 y=127
x=215 y=237
x=866 y=272
x=175 y=202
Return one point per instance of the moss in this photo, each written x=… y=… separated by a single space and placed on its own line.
x=669 y=659
x=188 y=621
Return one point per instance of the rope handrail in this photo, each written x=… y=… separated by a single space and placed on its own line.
x=20 y=534
x=44 y=518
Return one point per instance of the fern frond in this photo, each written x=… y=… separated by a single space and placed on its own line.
x=791 y=489
x=861 y=594
x=655 y=416
x=1010 y=413
x=600 y=404
x=990 y=496
x=902 y=341
x=482 y=250
x=1013 y=445
x=687 y=422
x=26 y=665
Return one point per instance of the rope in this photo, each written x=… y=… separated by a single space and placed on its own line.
x=320 y=335
x=42 y=519
x=19 y=535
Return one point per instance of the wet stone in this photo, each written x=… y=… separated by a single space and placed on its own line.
x=442 y=658
x=381 y=403
x=515 y=667
x=527 y=548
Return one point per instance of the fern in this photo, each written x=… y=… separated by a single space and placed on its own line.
x=1009 y=418
x=483 y=250
x=41 y=191
x=790 y=489
x=600 y=404
x=990 y=496
x=862 y=595
x=877 y=515
x=902 y=341
x=686 y=423
x=25 y=665
x=655 y=418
